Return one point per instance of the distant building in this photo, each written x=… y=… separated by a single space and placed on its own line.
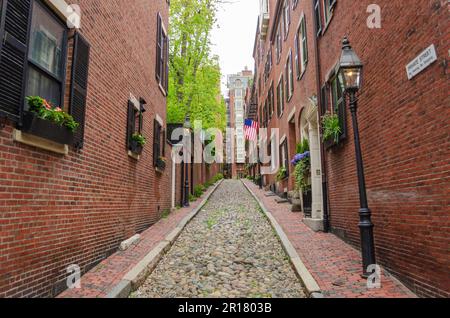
x=238 y=85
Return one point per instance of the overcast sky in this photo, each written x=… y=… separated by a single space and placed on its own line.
x=233 y=38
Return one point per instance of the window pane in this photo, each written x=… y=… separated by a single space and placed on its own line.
x=46 y=41
x=41 y=85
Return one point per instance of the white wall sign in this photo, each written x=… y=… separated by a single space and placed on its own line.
x=421 y=62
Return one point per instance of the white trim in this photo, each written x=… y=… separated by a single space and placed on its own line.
x=292 y=115
x=40 y=143
x=159 y=120
x=283 y=139
x=135 y=102
x=63 y=10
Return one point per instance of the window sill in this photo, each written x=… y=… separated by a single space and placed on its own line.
x=299 y=78
x=163 y=91
x=159 y=170
x=327 y=23
x=40 y=143
x=133 y=155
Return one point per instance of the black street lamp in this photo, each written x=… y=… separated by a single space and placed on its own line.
x=187 y=135
x=350 y=76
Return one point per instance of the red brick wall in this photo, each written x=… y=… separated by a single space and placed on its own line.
x=62 y=210
x=303 y=88
x=404 y=130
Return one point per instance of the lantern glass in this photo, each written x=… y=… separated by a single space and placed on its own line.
x=350 y=78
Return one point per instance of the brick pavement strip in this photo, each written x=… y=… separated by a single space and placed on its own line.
x=335 y=265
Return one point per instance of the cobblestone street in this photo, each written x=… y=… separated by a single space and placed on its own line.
x=228 y=250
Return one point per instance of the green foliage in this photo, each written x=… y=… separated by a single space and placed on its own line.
x=301 y=173
x=141 y=140
x=194 y=75
x=46 y=111
x=303 y=146
x=218 y=177
x=192 y=198
x=281 y=173
x=198 y=190
x=165 y=214
x=208 y=184
x=331 y=127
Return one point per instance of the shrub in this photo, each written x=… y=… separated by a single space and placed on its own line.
x=198 y=190
x=218 y=177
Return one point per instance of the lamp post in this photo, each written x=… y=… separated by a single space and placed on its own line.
x=187 y=135
x=350 y=76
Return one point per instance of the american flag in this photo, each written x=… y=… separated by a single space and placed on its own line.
x=251 y=130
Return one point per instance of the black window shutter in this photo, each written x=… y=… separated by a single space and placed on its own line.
x=79 y=85
x=342 y=113
x=166 y=66
x=164 y=140
x=323 y=99
x=286 y=158
x=131 y=122
x=156 y=141
x=15 y=23
x=158 y=48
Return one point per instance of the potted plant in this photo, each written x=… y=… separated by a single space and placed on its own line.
x=47 y=121
x=161 y=163
x=331 y=129
x=282 y=173
x=137 y=143
x=296 y=201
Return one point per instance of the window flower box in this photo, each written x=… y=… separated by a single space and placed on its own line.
x=34 y=125
x=136 y=147
x=161 y=164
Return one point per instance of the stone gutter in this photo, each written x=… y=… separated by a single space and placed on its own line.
x=312 y=288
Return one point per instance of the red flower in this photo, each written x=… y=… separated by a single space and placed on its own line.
x=47 y=105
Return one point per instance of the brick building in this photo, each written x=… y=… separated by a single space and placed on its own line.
x=404 y=125
x=72 y=198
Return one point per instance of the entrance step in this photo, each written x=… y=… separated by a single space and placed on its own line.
x=270 y=194
x=281 y=200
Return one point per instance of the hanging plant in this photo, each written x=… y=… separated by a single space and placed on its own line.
x=331 y=128
x=302 y=163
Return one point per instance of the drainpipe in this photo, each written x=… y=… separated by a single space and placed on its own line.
x=326 y=220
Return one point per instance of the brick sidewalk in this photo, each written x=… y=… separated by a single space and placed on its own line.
x=335 y=265
x=99 y=281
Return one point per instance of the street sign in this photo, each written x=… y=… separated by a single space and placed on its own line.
x=421 y=62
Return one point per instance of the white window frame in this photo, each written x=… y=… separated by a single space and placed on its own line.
x=302 y=38
x=289 y=76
